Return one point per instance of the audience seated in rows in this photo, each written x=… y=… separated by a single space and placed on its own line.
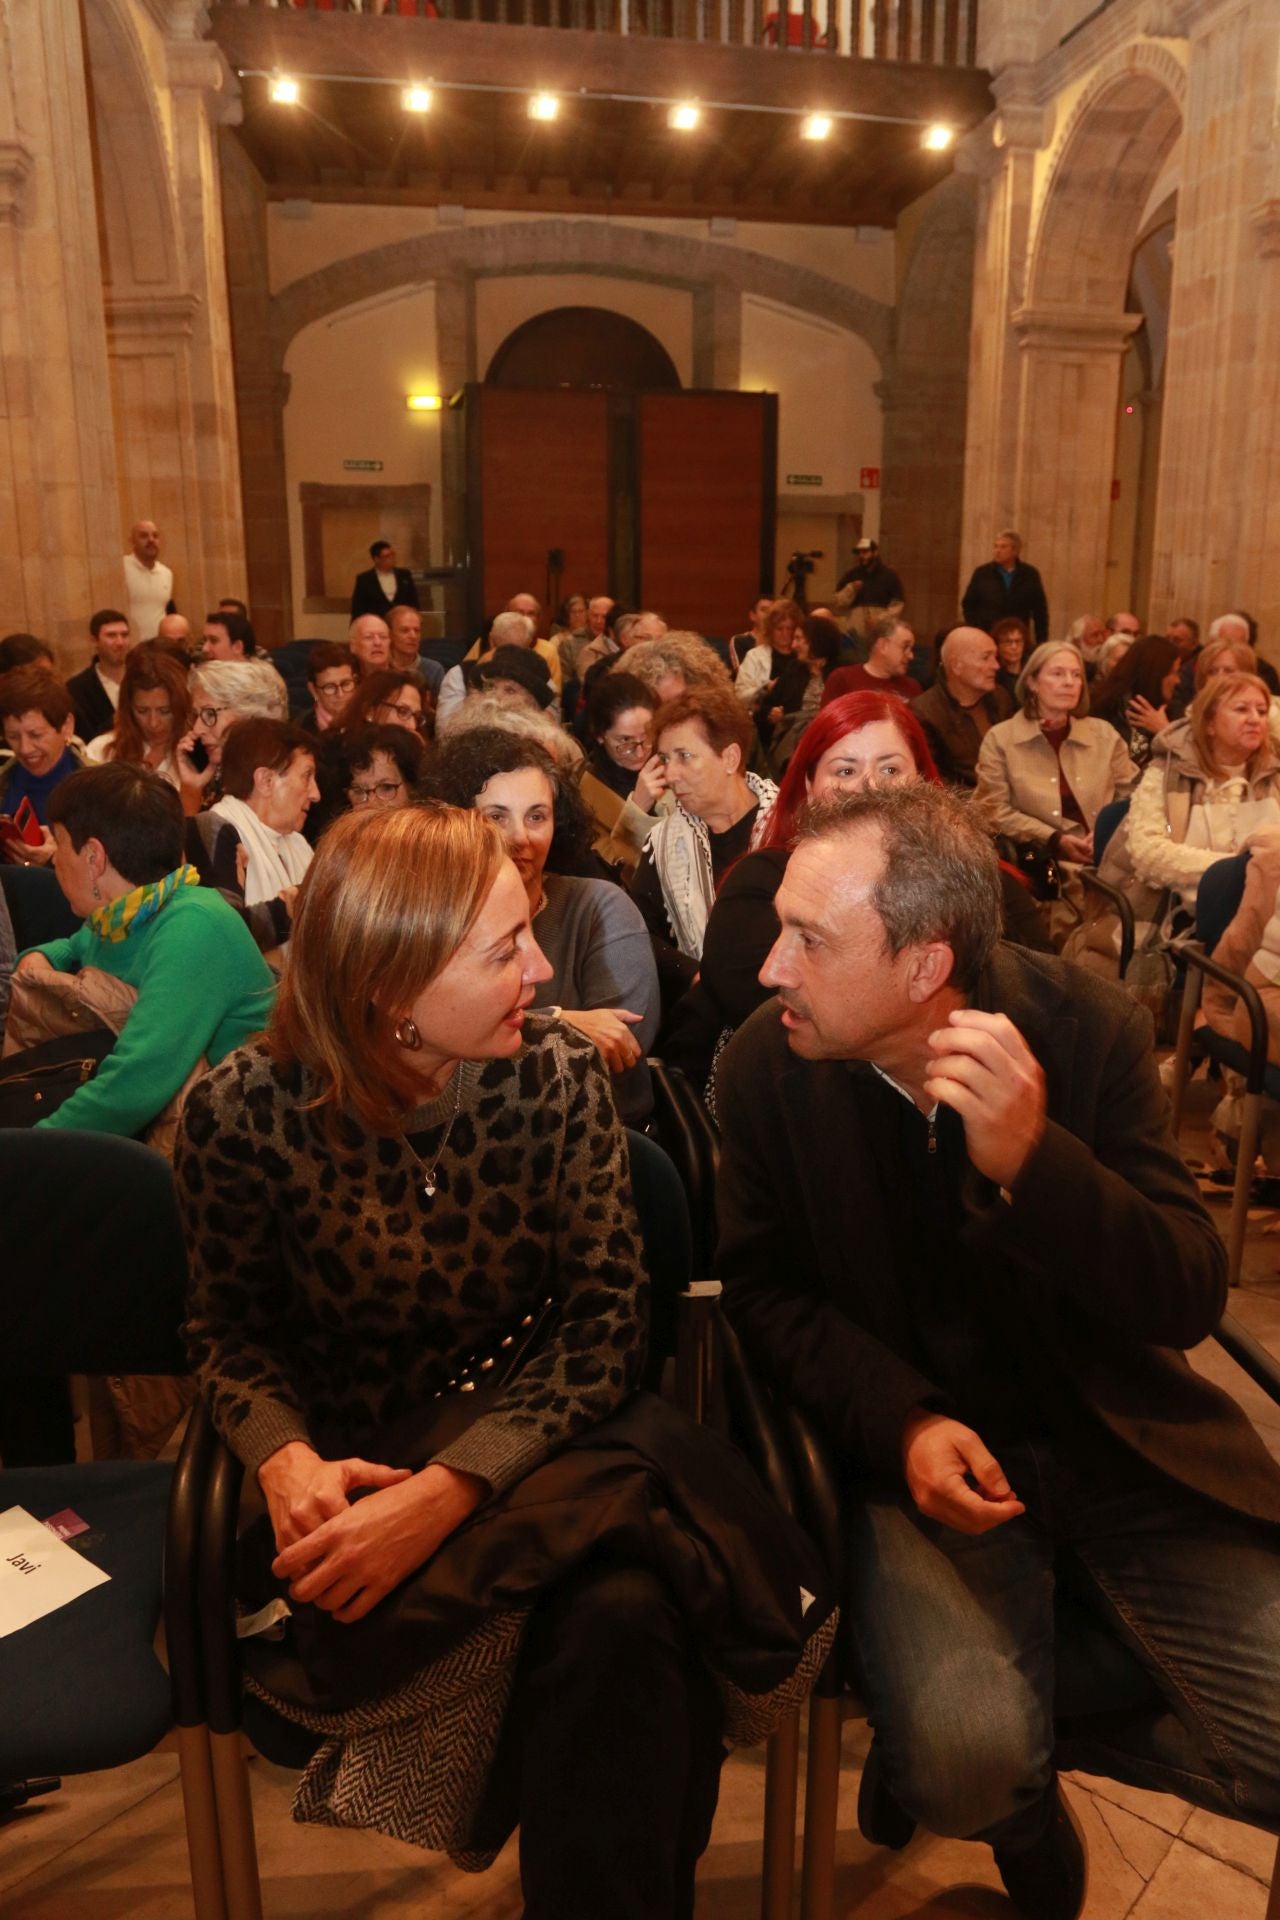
x=858 y=742
x=721 y=812
x=41 y=751
x=1132 y=693
x=1044 y=776
x=201 y=985
x=380 y=766
x=624 y=782
x=332 y=673
x=760 y=672
x=404 y=629
x=153 y=716
x=603 y=977
x=509 y=629
x=222 y=692
x=369 y=639
x=1013 y=643
x=26 y=650
x=227 y=635
x=249 y=843
x=885 y=668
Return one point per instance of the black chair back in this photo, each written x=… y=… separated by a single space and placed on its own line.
x=1109 y=818
x=668 y=1243
x=1218 y=898
x=37 y=906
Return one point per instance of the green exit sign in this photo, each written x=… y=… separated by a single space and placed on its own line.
x=362 y=466
x=804 y=479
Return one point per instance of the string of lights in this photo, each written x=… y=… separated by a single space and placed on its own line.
x=683 y=116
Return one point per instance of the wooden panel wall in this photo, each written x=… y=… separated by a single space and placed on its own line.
x=538 y=477
x=707 y=484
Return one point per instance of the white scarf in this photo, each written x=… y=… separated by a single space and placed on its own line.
x=276 y=860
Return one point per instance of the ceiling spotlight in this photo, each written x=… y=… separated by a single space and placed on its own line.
x=817 y=126
x=544 y=106
x=416 y=99
x=684 y=116
x=424 y=402
x=285 y=92
x=938 y=138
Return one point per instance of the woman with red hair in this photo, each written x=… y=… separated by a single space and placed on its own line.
x=859 y=740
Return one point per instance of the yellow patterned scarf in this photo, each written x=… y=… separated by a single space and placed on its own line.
x=121 y=917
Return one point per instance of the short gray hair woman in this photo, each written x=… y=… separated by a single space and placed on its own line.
x=222 y=692
x=1045 y=775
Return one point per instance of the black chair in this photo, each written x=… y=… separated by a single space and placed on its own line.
x=1095 y=1673
x=37 y=906
x=1109 y=819
x=1218 y=898
x=95 y=1282
x=683 y=1127
x=234 y=1716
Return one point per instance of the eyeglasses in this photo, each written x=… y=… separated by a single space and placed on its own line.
x=383 y=790
x=406 y=715
x=628 y=742
x=208 y=716
x=335 y=688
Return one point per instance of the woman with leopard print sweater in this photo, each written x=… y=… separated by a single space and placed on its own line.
x=401 y=1172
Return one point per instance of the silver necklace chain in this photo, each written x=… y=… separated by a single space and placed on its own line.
x=429 y=1182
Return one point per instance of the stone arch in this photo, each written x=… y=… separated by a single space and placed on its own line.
x=1105 y=162
x=137 y=216
x=582 y=347
x=575 y=246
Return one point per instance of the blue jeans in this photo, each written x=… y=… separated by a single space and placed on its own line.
x=957 y=1652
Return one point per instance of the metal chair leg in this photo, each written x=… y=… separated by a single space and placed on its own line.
x=200 y=1808
x=821 y=1798
x=1246 y=1154
x=235 y=1826
x=1186 y=1027
x=781 y=1792
x=1273 y=1902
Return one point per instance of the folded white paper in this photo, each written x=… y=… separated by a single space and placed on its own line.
x=38 y=1572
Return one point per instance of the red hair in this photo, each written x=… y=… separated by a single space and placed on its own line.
x=847 y=714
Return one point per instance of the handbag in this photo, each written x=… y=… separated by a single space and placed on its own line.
x=34 y=1084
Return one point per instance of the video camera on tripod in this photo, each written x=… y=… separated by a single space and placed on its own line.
x=799 y=567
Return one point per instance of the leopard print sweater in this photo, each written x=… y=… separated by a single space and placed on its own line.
x=330 y=1297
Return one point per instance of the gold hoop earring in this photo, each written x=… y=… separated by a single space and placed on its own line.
x=407 y=1034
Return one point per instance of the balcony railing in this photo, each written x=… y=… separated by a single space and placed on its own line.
x=921 y=32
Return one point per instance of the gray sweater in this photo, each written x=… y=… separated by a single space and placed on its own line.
x=597 y=941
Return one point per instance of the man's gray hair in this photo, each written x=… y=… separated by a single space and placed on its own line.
x=1230 y=626
x=249 y=687
x=511 y=630
x=1007 y=533
x=941 y=878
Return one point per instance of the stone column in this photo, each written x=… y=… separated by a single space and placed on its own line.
x=60 y=551
x=717 y=336
x=199 y=82
x=455 y=368
x=1069 y=392
x=1217 y=538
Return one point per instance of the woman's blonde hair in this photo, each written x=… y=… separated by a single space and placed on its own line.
x=389 y=898
x=1041 y=657
x=1212 y=650
x=1223 y=687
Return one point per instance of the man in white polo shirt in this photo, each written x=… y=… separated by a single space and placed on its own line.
x=148 y=582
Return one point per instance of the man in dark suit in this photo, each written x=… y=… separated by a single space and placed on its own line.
x=963 y=704
x=384 y=585
x=1006 y=586
x=95 y=692
x=955 y=1227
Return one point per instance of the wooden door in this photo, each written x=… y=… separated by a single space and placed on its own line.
x=707 y=484
x=538 y=478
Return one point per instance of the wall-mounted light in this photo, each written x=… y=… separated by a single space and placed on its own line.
x=938 y=138
x=416 y=99
x=285 y=91
x=423 y=402
x=544 y=106
x=684 y=116
x=816 y=126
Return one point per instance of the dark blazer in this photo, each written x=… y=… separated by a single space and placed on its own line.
x=92 y=704
x=1105 y=1260
x=954 y=740
x=987 y=599
x=367 y=595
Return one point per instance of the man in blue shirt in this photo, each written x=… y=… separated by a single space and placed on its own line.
x=1006 y=587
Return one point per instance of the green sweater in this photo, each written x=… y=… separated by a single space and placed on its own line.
x=203 y=988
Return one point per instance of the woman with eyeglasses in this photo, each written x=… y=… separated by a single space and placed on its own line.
x=222 y=692
x=332 y=673
x=153 y=715
x=624 y=783
x=396 y=698
x=380 y=767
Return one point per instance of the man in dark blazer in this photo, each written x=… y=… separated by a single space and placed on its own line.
x=955 y=1227
x=963 y=704
x=95 y=691
x=1006 y=586
x=384 y=585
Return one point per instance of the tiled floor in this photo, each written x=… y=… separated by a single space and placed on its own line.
x=110 y=1847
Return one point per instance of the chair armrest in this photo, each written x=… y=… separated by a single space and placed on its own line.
x=1124 y=910
x=755 y=1424
x=1195 y=956
x=1251 y=1358
x=217 y=1559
